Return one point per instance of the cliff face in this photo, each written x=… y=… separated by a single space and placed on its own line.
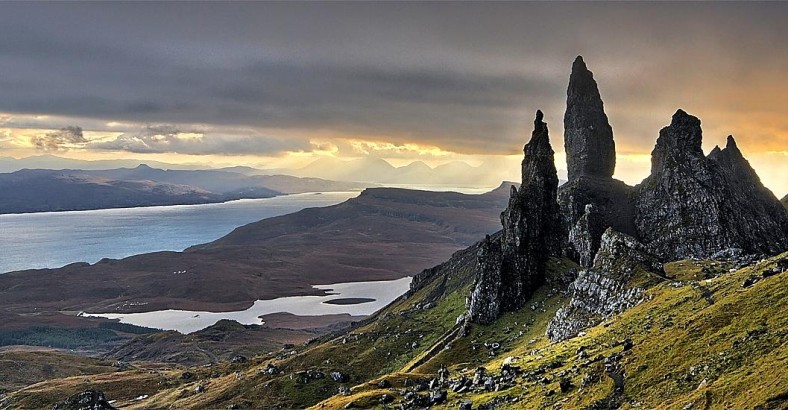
x=591 y=161
x=695 y=206
x=679 y=212
x=509 y=271
x=603 y=290
x=752 y=212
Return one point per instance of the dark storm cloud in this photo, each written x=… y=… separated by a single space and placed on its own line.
x=59 y=140
x=462 y=76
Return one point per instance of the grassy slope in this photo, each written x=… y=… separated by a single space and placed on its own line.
x=737 y=345
x=24 y=366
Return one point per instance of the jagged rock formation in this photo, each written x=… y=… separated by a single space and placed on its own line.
x=752 y=212
x=485 y=298
x=586 y=234
x=690 y=206
x=784 y=201
x=604 y=290
x=591 y=160
x=588 y=137
x=694 y=206
x=532 y=231
x=87 y=400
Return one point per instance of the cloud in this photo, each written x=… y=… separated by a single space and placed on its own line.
x=60 y=140
x=166 y=138
x=464 y=77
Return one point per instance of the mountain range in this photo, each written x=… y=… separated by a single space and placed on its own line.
x=42 y=190
x=370 y=170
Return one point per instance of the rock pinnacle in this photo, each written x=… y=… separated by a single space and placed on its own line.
x=588 y=137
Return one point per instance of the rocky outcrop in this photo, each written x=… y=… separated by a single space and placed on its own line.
x=784 y=201
x=678 y=205
x=613 y=206
x=694 y=206
x=591 y=161
x=588 y=137
x=604 y=290
x=532 y=231
x=690 y=206
x=485 y=298
x=585 y=235
x=87 y=400
x=751 y=212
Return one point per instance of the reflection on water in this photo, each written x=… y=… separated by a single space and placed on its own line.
x=186 y=321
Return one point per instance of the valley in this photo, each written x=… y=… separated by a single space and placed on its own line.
x=383 y=234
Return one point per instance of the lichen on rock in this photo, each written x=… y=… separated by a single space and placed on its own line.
x=604 y=290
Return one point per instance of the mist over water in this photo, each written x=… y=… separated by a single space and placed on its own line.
x=54 y=239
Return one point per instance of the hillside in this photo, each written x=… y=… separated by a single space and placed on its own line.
x=689 y=342
x=382 y=234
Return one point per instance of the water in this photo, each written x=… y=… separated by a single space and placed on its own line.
x=471 y=190
x=54 y=239
x=186 y=321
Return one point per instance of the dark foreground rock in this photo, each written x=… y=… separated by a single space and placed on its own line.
x=532 y=232
x=588 y=137
x=591 y=161
x=695 y=206
x=87 y=400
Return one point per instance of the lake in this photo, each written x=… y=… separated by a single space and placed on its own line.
x=186 y=321
x=54 y=239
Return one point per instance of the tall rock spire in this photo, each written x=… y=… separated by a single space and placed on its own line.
x=509 y=271
x=588 y=137
x=591 y=160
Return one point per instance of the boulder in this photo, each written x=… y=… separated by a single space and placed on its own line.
x=87 y=400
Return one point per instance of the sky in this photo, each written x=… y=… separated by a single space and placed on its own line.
x=278 y=85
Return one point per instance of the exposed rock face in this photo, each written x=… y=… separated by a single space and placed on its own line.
x=532 y=231
x=485 y=298
x=588 y=137
x=678 y=205
x=585 y=235
x=603 y=291
x=690 y=206
x=87 y=400
x=784 y=201
x=613 y=207
x=694 y=206
x=591 y=160
x=751 y=211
